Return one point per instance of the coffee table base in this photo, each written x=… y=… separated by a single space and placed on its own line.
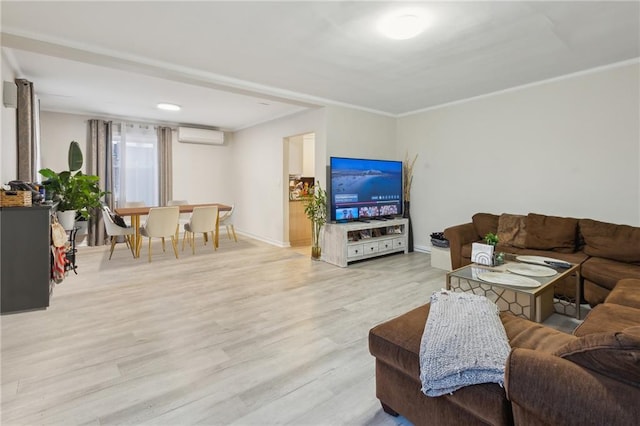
x=533 y=307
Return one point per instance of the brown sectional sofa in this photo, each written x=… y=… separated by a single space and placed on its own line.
x=552 y=378
x=606 y=252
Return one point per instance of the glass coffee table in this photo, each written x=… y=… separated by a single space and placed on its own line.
x=524 y=289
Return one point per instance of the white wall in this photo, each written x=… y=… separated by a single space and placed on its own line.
x=309 y=154
x=569 y=147
x=360 y=134
x=296 y=154
x=261 y=176
x=9 y=149
x=203 y=173
x=57 y=130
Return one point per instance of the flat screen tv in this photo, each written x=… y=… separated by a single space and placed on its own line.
x=362 y=189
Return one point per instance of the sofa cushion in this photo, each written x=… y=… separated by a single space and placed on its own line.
x=523 y=333
x=512 y=230
x=626 y=293
x=611 y=241
x=485 y=223
x=615 y=355
x=608 y=317
x=397 y=342
x=608 y=272
x=558 y=234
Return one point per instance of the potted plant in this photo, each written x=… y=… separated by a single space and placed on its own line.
x=315 y=207
x=77 y=194
x=492 y=240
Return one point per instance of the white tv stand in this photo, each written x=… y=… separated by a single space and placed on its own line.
x=349 y=242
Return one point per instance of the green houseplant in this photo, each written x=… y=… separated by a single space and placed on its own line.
x=315 y=207
x=72 y=189
x=492 y=240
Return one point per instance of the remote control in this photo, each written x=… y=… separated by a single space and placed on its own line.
x=558 y=264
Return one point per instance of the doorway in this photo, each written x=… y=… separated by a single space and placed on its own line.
x=299 y=161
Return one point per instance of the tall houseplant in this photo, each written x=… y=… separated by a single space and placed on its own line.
x=71 y=189
x=315 y=207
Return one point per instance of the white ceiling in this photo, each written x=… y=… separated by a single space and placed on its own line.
x=234 y=64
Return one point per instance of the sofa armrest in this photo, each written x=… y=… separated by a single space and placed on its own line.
x=546 y=389
x=458 y=236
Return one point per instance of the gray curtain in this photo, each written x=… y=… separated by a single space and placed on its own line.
x=99 y=163
x=165 y=158
x=27 y=127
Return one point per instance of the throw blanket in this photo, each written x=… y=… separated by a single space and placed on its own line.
x=464 y=343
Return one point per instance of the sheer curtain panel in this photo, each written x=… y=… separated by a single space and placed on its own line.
x=135 y=164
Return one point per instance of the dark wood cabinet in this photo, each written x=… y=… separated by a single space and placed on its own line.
x=25 y=253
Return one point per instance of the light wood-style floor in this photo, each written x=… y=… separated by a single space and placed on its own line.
x=249 y=335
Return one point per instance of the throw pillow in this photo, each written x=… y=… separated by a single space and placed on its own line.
x=485 y=223
x=551 y=233
x=118 y=220
x=615 y=355
x=611 y=241
x=512 y=230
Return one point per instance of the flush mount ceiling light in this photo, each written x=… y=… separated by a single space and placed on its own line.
x=403 y=24
x=169 y=107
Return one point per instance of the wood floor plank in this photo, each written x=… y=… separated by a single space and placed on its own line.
x=249 y=334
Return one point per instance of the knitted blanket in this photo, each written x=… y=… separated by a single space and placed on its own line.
x=464 y=343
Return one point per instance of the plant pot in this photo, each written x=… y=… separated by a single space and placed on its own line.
x=316 y=252
x=67 y=219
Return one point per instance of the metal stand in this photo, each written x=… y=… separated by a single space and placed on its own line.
x=70 y=264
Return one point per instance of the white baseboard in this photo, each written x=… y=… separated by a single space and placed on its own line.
x=273 y=242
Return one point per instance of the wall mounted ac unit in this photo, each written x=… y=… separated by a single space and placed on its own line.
x=201 y=136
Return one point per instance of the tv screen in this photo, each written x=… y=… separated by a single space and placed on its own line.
x=364 y=189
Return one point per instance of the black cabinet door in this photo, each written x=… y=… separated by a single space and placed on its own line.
x=25 y=258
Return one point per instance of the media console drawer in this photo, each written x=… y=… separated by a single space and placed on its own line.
x=355 y=251
x=399 y=242
x=371 y=247
x=385 y=245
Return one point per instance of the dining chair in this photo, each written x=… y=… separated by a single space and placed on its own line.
x=227 y=220
x=115 y=231
x=162 y=222
x=203 y=220
x=184 y=217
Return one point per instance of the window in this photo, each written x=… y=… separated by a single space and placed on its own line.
x=135 y=164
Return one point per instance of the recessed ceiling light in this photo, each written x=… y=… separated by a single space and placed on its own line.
x=169 y=107
x=403 y=24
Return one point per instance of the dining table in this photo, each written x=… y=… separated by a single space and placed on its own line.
x=136 y=212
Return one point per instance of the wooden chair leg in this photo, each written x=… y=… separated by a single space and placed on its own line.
x=149 y=249
x=233 y=229
x=193 y=243
x=184 y=237
x=174 y=243
x=163 y=249
x=113 y=244
x=129 y=240
x=213 y=245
